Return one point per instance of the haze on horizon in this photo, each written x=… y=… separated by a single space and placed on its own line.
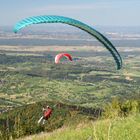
x=97 y=12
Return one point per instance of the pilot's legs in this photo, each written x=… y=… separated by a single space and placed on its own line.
x=40 y=120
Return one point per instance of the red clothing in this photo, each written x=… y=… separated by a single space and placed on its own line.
x=47 y=113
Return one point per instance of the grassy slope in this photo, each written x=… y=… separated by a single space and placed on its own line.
x=22 y=121
x=108 y=129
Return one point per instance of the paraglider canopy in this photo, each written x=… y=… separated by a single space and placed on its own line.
x=60 y=19
x=59 y=56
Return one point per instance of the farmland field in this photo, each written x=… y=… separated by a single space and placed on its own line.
x=29 y=75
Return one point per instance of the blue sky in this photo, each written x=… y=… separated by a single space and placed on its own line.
x=92 y=12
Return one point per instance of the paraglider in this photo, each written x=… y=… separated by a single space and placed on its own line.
x=59 y=56
x=60 y=19
x=46 y=115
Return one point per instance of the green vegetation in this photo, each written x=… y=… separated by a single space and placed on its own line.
x=87 y=122
x=23 y=120
x=32 y=78
x=108 y=129
x=93 y=101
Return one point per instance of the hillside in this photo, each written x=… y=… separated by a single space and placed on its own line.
x=107 y=129
x=23 y=120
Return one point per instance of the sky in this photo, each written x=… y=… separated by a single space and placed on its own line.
x=92 y=12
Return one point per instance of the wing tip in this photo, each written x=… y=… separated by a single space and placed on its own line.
x=15 y=30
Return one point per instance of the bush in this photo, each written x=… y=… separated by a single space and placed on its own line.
x=118 y=108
